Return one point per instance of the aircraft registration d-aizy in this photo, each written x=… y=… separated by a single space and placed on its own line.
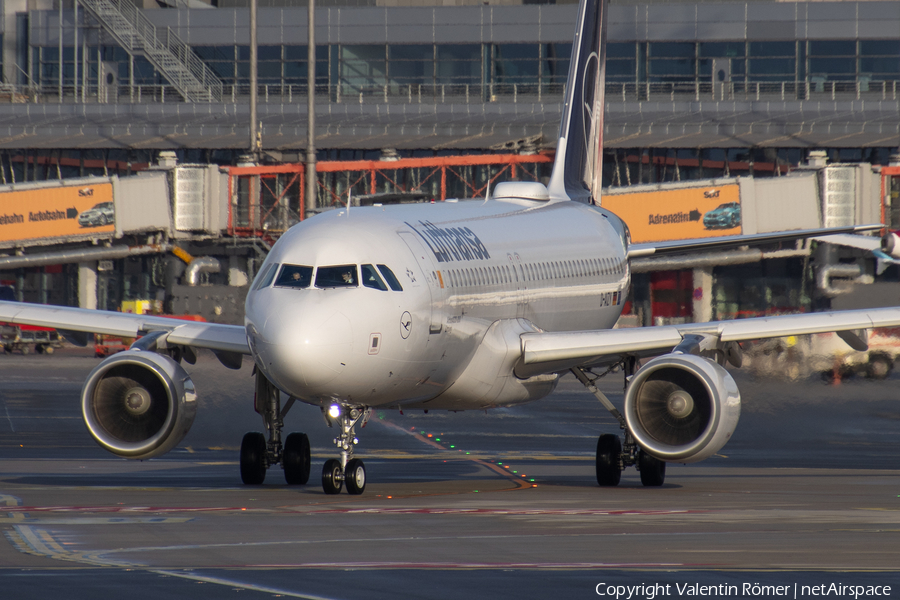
x=454 y=305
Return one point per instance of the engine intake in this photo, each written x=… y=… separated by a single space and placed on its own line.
x=682 y=408
x=138 y=404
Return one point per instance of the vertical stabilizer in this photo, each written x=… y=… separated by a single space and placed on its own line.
x=579 y=152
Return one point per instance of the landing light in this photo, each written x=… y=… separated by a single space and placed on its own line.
x=334 y=411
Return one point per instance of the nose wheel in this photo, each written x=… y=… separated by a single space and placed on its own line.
x=332 y=476
x=346 y=470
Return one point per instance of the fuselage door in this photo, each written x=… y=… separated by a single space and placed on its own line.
x=431 y=281
x=516 y=263
x=517 y=281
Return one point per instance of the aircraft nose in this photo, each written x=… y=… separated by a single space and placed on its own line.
x=305 y=351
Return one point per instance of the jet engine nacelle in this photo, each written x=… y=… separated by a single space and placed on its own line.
x=682 y=407
x=890 y=244
x=138 y=404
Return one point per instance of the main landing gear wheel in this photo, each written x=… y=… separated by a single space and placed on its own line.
x=355 y=477
x=609 y=448
x=259 y=451
x=253 y=458
x=332 y=477
x=296 y=459
x=653 y=470
x=879 y=367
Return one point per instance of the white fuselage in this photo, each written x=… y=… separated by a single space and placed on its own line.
x=474 y=275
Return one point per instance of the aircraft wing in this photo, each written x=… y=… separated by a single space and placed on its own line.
x=714 y=243
x=213 y=336
x=863 y=242
x=546 y=352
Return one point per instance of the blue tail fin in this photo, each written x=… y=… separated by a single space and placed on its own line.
x=579 y=152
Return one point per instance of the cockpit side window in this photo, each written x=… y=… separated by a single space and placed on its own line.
x=264 y=278
x=337 y=276
x=370 y=278
x=390 y=278
x=294 y=276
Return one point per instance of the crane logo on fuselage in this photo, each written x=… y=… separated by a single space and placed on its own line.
x=405 y=324
x=451 y=243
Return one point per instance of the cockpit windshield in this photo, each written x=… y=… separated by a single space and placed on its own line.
x=294 y=276
x=370 y=278
x=300 y=277
x=390 y=278
x=264 y=278
x=337 y=276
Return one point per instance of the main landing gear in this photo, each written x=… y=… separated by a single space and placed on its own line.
x=259 y=453
x=347 y=470
x=612 y=456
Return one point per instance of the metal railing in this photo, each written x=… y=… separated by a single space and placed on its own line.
x=168 y=53
x=466 y=93
x=753 y=90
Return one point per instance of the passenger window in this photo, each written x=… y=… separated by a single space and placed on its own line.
x=294 y=276
x=390 y=278
x=370 y=278
x=336 y=276
x=265 y=277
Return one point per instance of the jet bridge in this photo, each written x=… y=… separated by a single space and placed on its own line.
x=709 y=285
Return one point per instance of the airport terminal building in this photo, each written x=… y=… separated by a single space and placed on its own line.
x=756 y=81
x=695 y=91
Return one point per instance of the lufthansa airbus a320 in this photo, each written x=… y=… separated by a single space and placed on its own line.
x=455 y=305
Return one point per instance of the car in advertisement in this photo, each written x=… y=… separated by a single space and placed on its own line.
x=724 y=216
x=98 y=215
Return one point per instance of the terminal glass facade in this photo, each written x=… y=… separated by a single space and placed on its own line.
x=361 y=67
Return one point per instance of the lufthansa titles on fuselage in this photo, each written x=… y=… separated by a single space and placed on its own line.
x=451 y=243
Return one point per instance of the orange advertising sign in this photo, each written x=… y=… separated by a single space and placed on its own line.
x=679 y=214
x=56 y=212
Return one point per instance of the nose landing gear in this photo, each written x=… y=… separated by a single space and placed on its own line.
x=347 y=470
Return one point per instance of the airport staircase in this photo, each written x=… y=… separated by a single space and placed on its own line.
x=165 y=50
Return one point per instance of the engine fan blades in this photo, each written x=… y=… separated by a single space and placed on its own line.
x=131 y=404
x=673 y=407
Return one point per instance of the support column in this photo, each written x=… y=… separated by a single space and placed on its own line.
x=11 y=41
x=87 y=285
x=702 y=298
x=311 y=181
